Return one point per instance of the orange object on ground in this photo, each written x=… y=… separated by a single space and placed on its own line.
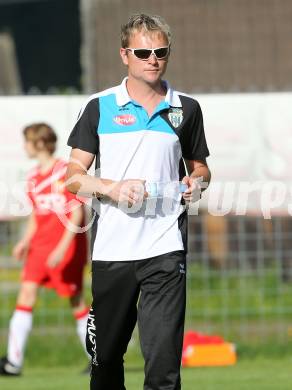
x=203 y=350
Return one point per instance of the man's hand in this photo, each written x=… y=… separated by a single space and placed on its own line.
x=126 y=191
x=20 y=250
x=55 y=257
x=193 y=192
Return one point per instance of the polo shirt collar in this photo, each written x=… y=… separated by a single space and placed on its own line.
x=171 y=97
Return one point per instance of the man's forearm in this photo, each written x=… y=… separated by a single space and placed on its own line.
x=87 y=185
x=204 y=173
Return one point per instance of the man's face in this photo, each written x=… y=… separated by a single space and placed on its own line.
x=151 y=70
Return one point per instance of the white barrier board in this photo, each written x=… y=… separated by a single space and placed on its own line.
x=249 y=137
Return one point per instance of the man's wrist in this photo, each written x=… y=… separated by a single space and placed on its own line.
x=104 y=189
x=201 y=182
x=97 y=195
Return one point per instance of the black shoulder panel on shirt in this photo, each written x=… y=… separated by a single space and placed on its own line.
x=84 y=134
x=192 y=134
x=191 y=129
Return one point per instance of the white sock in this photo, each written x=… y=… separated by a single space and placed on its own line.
x=81 y=328
x=19 y=329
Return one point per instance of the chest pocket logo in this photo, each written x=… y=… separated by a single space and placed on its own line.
x=125 y=119
x=175 y=117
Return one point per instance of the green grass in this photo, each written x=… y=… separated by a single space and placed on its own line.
x=256 y=374
x=215 y=294
x=54 y=362
x=236 y=293
x=241 y=305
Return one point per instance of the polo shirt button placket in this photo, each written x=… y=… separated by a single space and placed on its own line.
x=146 y=117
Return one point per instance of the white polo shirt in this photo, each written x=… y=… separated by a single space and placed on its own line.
x=129 y=144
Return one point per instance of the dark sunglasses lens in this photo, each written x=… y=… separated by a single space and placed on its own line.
x=143 y=54
x=162 y=52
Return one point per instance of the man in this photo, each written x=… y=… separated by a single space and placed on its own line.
x=140 y=132
x=54 y=256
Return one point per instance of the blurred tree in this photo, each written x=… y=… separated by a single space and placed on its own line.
x=47 y=41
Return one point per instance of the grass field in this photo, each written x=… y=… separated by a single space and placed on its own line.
x=218 y=296
x=253 y=312
x=54 y=363
x=255 y=374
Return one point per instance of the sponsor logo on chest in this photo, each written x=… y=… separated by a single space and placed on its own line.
x=175 y=117
x=50 y=203
x=125 y=119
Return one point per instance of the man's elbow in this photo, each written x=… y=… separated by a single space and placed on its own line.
x=207 y=178
x=209 y=175
x=72 y=188
x=71 y=184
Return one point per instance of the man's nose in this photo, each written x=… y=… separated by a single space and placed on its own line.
x=152 y=59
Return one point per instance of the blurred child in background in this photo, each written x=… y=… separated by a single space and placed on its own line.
x=54 y=254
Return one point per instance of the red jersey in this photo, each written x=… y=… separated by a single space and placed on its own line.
x=51 y=204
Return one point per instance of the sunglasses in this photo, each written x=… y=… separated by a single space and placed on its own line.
x=144 y=54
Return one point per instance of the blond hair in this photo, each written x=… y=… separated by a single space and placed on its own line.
x=143 y=22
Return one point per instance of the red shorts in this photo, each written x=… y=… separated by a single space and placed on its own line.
x=66 y=278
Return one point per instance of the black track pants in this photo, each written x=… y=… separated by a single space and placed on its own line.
x=159 y=284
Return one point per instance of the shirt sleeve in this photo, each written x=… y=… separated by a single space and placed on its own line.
x=193 y=140
x=84 y=135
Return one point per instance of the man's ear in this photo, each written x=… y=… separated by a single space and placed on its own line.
x=124 y=56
